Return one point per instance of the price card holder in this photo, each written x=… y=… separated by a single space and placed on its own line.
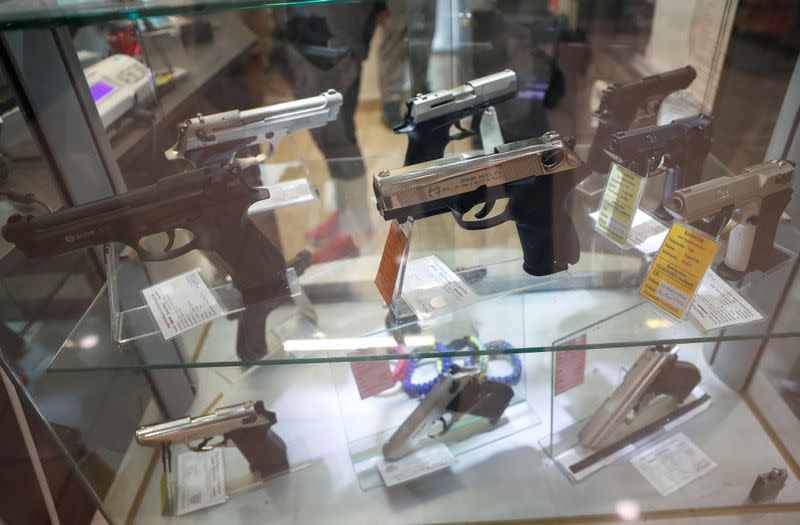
x=678 y=268
x=618 y=206
x=491 y=134
x=132 y=320
x=391 y=269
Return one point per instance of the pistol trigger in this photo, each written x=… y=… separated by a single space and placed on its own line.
x=462 y=133
x=170 y=241
x=488 y=206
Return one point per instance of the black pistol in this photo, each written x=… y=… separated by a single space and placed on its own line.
x=430 y=116
x=534 y=175
x=621 y=103
x=211 y=201
x=679 y=148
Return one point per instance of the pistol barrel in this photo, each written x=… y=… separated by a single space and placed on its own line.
x=659 y=85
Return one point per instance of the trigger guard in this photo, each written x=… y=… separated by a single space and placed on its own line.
x=148 y=256
x=480 y=225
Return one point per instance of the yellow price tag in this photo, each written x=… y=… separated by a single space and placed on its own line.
x=678 y=268
x=618 y=206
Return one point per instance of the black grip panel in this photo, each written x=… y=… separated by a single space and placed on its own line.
x=546 y=232
x=251 y=342
x=762 y=254
x=598 y=160
x=263 y=449
x=256 y=266
x=258 y=271
x=426 y=142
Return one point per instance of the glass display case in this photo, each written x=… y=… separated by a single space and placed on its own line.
x=410 y=260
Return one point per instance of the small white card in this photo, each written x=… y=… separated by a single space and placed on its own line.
x=420 y=463
x=718 y=305
x=429 y=285
x=287 y=193
x=646 y=235
x=201 y=481
x=619 y=204
x=673 y=463
x=181 y=303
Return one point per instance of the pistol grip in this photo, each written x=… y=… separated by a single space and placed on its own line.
x=258 y=271
x=546 y=232
x=263 y=449
x=251 y=342
x=426 y=143
x=597 y=160
x=548 y=248
x=751 y=246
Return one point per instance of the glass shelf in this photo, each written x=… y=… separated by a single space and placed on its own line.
x=598 y=297
x=17 y=14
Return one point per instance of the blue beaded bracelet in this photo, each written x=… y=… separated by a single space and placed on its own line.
x=413 y=389
x=516 y=363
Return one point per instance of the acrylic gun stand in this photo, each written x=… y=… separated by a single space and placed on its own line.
x=132 y=323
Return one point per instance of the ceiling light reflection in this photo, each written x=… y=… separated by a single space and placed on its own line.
x=354 y=343
x=628 y=510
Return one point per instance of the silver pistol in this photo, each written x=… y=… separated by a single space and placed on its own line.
x=535 y=176
x=753 y=201
x=458 y=392
x=237 y=129
x=247 y=425
x=653 y=389
x=430 y=116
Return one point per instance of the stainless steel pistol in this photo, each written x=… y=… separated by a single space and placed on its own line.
x=752 y=201
x=459 y=392
x=227 y=133
x=653 y=389
x=535 y=176
x=247 y=425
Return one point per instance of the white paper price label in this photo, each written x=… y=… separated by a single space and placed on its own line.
x=718 y=305
x=287 y=193
x=415 y=465
x=181 y=303
x=673 y=463
x=201 y=480
x=619 y=204
x=431 y=286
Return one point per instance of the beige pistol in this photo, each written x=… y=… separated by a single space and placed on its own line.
x=247 y=425
x=652 y=391
x=754 y=200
